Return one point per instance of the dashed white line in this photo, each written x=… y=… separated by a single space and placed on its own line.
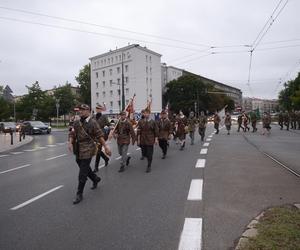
x=61 y=143
x=41 y=147
x=36 y=198
x=30 y=150
x=138 y=149
x=3 y=156
x=191 y=236
x=203 y=151
x=118 y=158
x=13 y=169
x=51 y=145
x=195 y=192
x=210 y=136
x=208 y=139
x=16 y=153
x=206 y=144
x=200 y=163
x=48 y=159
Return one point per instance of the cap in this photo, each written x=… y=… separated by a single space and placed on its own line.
x=84 y=107
x=122 y=113
x=99 y=106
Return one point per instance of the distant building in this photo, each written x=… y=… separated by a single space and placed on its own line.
x=263 y=105
x=141 y=68
x=74 y=89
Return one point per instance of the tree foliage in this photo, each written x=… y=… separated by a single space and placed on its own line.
x=84 y=81
x=289 y=97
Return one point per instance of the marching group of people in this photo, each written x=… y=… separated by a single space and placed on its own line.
x=89 y=133
x=289 y=120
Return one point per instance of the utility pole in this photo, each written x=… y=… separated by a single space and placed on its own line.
x=57 y=111
x=123 y=95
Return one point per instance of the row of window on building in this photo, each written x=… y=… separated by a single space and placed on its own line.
x=111 y=93
x=111 y=83
x=111 y=71
x=111 y=60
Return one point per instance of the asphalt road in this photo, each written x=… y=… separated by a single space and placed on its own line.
x=135 y=210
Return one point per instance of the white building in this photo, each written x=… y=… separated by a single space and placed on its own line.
x=168 y=74
x=142 y=76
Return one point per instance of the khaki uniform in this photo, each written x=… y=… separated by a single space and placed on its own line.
x=228 y=123
x=217 y=121
x=202 y=126
x=280 y=120
x=164 y=131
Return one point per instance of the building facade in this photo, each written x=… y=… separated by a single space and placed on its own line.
x=263 y=105
x=141 y=70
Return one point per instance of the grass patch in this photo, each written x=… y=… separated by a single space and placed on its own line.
x=278 y=229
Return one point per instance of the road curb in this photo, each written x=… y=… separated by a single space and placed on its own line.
x=17 y=144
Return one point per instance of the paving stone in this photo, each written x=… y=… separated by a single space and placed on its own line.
x=297 y=205
x=250 y=233
x=242 y=242
x=259 y=216
x=252 y=224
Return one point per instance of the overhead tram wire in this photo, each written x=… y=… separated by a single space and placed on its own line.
x=97 y=33
x=103 y=26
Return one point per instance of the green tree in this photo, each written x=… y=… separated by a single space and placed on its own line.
x=289 y=97
x=84 y=81
x=6 y=109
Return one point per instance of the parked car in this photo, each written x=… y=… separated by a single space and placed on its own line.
x=6 y=127
x=36 y=127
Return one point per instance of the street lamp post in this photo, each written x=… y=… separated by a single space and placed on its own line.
x=57 y=111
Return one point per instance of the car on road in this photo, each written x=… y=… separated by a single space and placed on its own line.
x=36 y=127
x=6 y=127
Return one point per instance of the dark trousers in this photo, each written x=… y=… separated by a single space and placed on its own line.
x=216 y=126
x=100 y=154
x=148 y=153
x=202 y=133
x=254 y=126
x=163 y=144
x=84 y=172
x=240 y=127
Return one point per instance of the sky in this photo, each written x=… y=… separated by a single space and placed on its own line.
x=212 y=38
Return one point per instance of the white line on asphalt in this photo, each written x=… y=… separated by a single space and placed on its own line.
x=206 y=144
x=41 y=147
x=191 y=235
x=13 y=169
x=16 y=153
x=118 y=158
x=138 y=149
x=101 y=166
x=203 y=151
x=61 y=143
x=208 y=139
x=48 y=159
x=210 y=136
x=51 y=145
x=200 y=163
x=29 y=150
x=3 y=156
x=36 y=198
x=195 y=192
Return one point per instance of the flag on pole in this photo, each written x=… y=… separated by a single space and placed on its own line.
x=222 y=116
x=149 y=103
x=130 y=108
x=104 y=106
x=167 y=108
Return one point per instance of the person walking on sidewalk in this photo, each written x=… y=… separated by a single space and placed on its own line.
x=147 y=136
x=182 y=129
x=228 y=122
x=217 y=121
x=192 y=122
x=83 y=140
x=202 y=125
x=104 y=124
x=164 y=132
x=123 y=132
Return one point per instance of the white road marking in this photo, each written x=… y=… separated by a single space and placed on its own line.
x=203 y=151
x=13 y=169
x=101 y=166
x=200 y=163
x=138 y=149
x=61 y=143
x=17 y=153
x=206 y=144
x=208 y=139
x=118 y=158
x=36 y=198
x=191 y=235
x=210 y=136
x=48 y=159
x=3 y=156
x=51 y=145
x=195 y=192
x=41 y=147
x=29 y=150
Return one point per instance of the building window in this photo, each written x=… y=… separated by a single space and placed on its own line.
x=110 y=72
x=119 y=103
x=150 y=58
x=108 y=60
x=103 y=84
x=103 y=94
x=116 y=58
x=95 y=64
x=127 y=101
x=119 y=80
x=119 y=92
x=128 y=55
x=103 y=73
x=127 y=91
x=120 y=58
x=126 y=79
x=126 y=68
x=150 y=70
x=118 y=70
x=146 y=58
x=111 y=93
x=104 y=61
x=97 y=75
x=97 y=94
x=146 y=69
x=111 y=104
x=112 y=60
x=97 y=84
x=110 y=83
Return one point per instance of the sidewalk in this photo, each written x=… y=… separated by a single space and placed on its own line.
x=5 y=141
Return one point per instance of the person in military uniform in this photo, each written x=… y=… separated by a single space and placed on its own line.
x=228 y=122
x=83 y=140
x=286 y=120
x=123 y=132
x=192 y=122
x=245 y=119
x=293 y=119
x=147 y=136
x=240 y=121
x=202 y=125
x=104 y=125
x=266 y=120
x=280 y=120
x=181 y=129
x=298 y=118
x=164 y=132
x=142 y=149
x=217 y=121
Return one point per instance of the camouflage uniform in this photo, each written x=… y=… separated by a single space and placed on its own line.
x=240 y=121
x=164 y=131
x=280 y=120
x=217 y=121
x=286 y=120
x=202 y=126
x=293 y=119
x=228 y=123
x=192 y=122
x=253 y=118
